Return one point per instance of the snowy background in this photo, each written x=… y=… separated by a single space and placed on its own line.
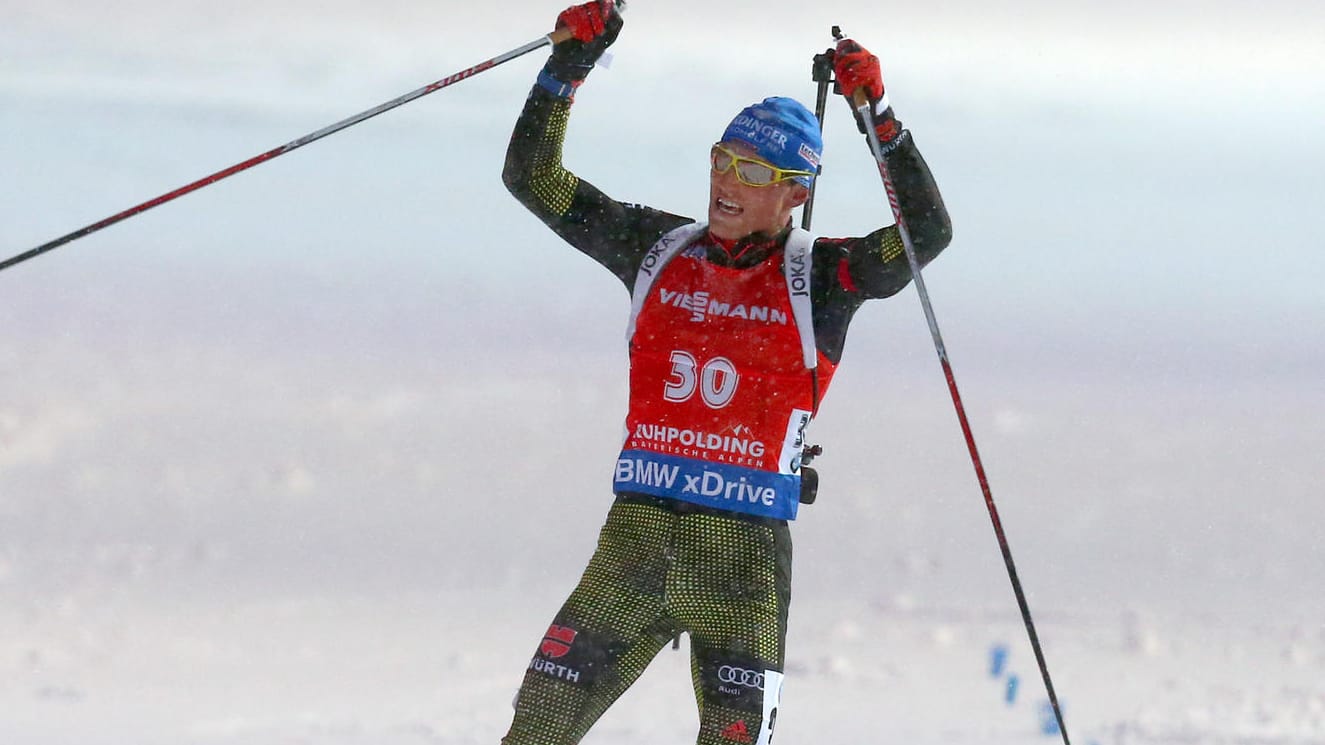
x=313 y=455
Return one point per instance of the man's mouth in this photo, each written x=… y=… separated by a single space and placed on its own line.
x=729 y=208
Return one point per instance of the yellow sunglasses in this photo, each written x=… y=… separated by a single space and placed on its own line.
x=749 y=171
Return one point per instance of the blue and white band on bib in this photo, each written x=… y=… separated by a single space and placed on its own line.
x=717 y=485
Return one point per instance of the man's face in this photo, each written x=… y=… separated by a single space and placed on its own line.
x=737 y=210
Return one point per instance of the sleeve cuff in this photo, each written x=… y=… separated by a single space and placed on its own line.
x=556 y=87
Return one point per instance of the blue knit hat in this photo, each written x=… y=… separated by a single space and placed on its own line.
x=782 y=132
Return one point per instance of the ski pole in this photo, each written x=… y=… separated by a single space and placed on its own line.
x=553 y=38
x=865 y=110
x=822 y=74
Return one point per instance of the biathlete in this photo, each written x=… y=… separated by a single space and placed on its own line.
x=736 y=326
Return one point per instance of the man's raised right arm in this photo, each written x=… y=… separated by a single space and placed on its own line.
x=614 y=234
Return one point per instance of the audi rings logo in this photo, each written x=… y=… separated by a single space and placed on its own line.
x=741 y=677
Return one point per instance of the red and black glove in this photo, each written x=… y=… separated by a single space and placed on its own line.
x=858 y=71
x=593 y=26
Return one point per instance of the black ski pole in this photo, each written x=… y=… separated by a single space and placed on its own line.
x=822 y=73
x=865 y=110
x=552 y=38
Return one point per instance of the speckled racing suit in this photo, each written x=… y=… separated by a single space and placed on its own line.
x=664 y=564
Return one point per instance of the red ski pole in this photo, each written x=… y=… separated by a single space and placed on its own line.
x=552 y=38
x=865 y=110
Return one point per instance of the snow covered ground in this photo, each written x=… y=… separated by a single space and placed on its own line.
x=442 y=668
x=312 y=455
x=416 y=670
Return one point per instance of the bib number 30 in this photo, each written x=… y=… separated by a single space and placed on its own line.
x=715 y=380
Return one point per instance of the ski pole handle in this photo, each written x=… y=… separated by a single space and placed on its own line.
x=565 y=34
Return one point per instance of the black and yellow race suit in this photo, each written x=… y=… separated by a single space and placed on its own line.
x=663 y=567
